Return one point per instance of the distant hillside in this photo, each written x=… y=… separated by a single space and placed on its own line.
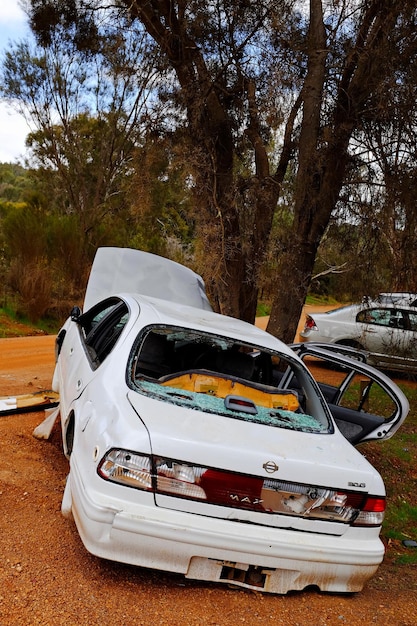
x=15 y=182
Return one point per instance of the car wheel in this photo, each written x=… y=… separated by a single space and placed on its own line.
x=351 y=343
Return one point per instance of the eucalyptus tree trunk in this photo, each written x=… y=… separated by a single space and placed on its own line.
x=232 y=237
x=323 y=156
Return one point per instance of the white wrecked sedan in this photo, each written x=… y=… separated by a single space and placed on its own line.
x=202 y=445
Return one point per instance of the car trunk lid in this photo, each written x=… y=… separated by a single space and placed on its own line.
x=251 y=472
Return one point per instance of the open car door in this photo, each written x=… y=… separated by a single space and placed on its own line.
x=365 y=403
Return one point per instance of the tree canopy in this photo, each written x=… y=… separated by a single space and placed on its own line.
x=265 y=95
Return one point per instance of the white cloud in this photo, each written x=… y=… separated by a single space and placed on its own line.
x=11 y=11
x=13 y=22
x=13 y=133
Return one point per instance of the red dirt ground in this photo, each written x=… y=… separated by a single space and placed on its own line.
x=48 y=578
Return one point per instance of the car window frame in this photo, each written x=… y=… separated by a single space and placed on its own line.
x=384 y=317
x=101 y=327
x=310 y=390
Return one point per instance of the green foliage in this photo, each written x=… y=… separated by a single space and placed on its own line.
x=48 y=247
x=160 y=200
x=396 y=460
x=79 y=170
x=24 y=235
x=263 y=309
x=34 y=245
x=24 y=232
x=353 y=261
x=85 y=112
x=15 y=180
x=319 y=300
x=275 y=157
x=14 y=325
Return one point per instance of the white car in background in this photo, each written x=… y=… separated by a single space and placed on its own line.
x=402 y=297
x=202 y=445
x=386 y=329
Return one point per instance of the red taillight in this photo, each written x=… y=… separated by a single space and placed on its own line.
x=232 y=489
x=180 y=479
x=355 y=500
x=372 y=513
x=310 y=324
x=374 y=505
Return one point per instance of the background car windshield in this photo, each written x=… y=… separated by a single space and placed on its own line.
x=217 y=374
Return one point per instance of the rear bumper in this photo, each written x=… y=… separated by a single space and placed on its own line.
x=266 y=559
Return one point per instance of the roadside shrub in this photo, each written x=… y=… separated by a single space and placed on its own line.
x=33 y=284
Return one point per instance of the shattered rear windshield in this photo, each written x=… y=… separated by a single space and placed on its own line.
x=217 y=374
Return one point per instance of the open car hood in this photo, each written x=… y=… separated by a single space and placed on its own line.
x=117 y=270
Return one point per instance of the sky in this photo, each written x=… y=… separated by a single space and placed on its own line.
x=13 y=128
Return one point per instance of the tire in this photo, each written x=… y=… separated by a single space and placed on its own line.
x=350 y=343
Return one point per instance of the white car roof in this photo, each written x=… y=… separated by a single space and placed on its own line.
x=124 y=269
x=167 y=313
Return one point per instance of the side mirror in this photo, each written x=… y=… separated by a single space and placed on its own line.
x=75 y=313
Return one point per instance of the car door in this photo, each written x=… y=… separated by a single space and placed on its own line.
x=410 y=334
x=88 y=340
x=366 y=405
x=384 y=330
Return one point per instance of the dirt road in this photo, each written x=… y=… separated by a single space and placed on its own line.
x=47 y=577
